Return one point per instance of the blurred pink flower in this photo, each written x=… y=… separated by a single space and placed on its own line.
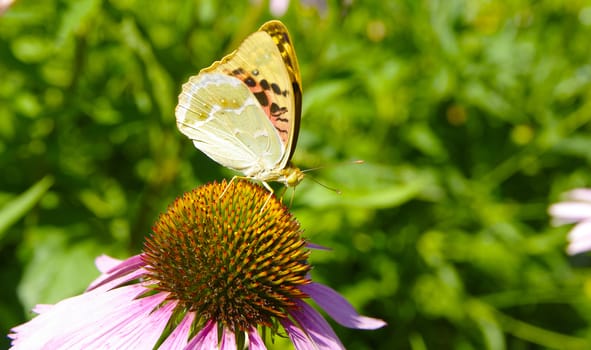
x=278 y=8
x=576 y=209
x=5 y=5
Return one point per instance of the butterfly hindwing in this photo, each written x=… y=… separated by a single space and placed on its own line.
x=266 y=63
x=226 y=122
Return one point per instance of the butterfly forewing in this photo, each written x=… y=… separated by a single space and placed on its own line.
x=266 y=63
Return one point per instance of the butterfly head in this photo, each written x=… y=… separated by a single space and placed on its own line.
x=291 y=175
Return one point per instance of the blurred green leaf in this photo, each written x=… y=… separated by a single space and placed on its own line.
x=57 y=270
x=18 y=207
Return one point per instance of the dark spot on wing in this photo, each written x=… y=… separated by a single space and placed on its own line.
x=250 y=82
x=276 y=111
x=262 y=98
x=276 y=89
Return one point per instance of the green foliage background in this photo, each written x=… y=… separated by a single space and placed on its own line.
x=472 y=117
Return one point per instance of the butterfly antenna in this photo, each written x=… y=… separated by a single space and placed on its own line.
x=335 y=190
x=358 y=161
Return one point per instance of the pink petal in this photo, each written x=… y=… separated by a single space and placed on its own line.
x=580 y=194
x=298 y=337
x=315 y=327
x=581 y=231
x=228 y=340
x=114 y=281
x=568 y=212
x=93 y=320
x=179 y=337
x=316 y=246
x=580 y=238
x=254 y=340
x=207 y=338
x=144 y=330
x=579 y=247
x=127 y=270
x=338 y=308
x=41 y=308
x=70 y=312
x=104 y=263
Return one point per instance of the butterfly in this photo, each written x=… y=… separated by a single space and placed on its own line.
x=244 y=111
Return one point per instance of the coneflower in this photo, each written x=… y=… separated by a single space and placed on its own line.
x=222 y=266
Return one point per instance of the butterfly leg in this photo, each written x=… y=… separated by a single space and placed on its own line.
x=292 y=196
x=265 y=184
x=271 y=191
x=229 y=183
